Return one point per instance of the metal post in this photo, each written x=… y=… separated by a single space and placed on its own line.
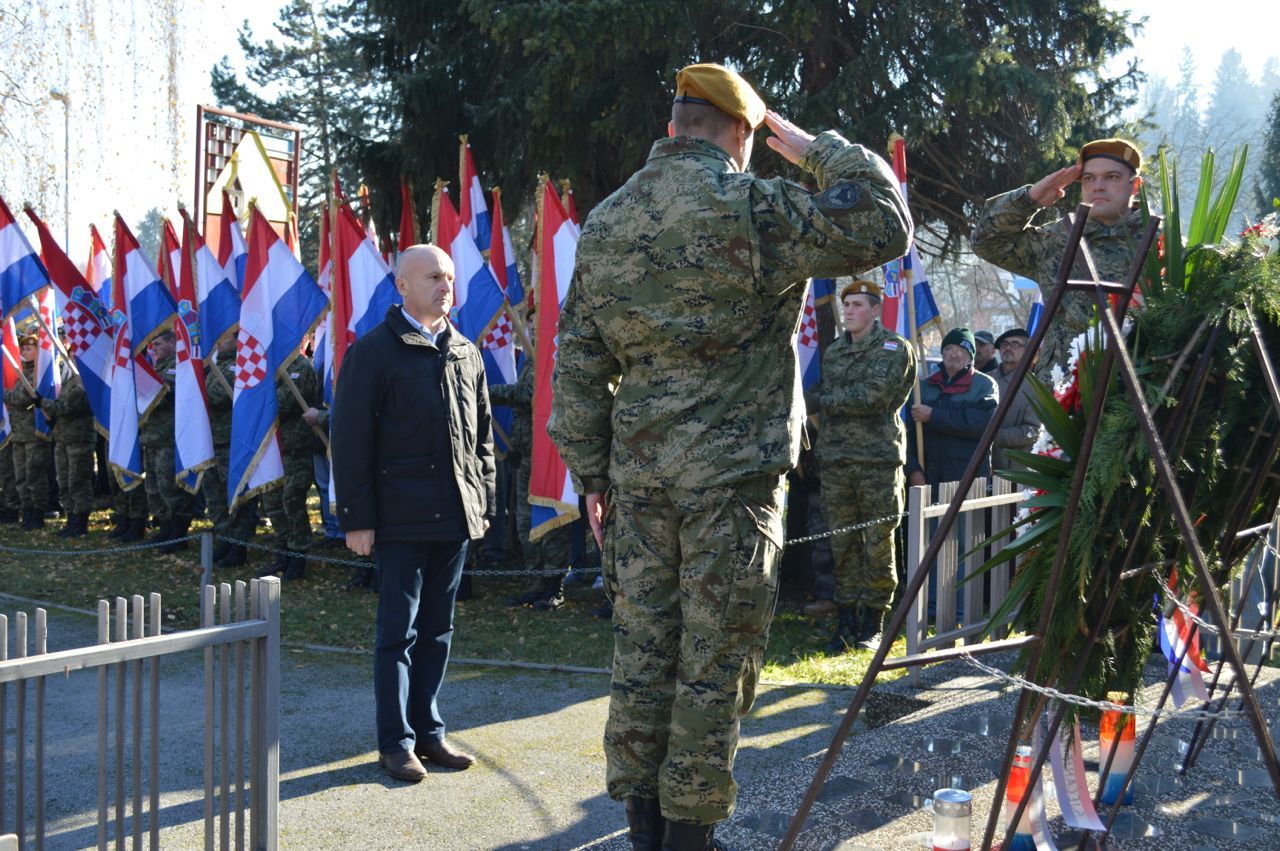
x=266 y=699
x=206 y=558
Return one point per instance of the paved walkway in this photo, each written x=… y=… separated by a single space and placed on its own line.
x=539 y=782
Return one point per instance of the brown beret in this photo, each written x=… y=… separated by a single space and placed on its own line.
x=716 y=85
x=861 y=285
x=1120 y=150
x=28 y=340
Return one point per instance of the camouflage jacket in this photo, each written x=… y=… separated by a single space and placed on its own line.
x=220 y=398
x=70 y=412
x=1005 y=234
x=157 y=430
x=22 y=409
x=295 y=435
x=686 y=296
x=864 y=386
x=519 y=398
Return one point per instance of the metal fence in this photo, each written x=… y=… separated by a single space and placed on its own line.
x=239 y=635
x=981 y=514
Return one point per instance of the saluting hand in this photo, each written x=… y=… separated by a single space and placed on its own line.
x=787 y=139
x=1050 y=189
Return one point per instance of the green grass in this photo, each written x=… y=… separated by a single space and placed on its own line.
x=315 y=611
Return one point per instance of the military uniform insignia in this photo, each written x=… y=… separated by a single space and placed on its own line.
x=891 y=345
x=841 y=197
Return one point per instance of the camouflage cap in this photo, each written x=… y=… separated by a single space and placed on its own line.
x=718 y=86
x=1120 y=150
x=862 y=285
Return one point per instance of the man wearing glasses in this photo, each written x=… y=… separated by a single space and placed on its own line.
x=1021 y=426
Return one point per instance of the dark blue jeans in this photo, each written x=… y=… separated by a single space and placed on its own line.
x=413 y=634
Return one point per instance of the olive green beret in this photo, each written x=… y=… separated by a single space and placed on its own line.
x=716 y=85
x=1120 y=150
x=861 y=285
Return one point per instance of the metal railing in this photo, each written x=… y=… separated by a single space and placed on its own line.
x=981 y=514
x=239 y=634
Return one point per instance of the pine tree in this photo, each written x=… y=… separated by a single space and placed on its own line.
x=1267 y=192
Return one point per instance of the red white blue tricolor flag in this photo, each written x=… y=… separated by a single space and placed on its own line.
x=143 y=307
x=216 y=297
x=233 y=254
x=472 y=208
x=192 y=434
x=48 y=374
x=1180 y=644
x=281 y=305
x=98 y=270
x=85 y=320
x=21 y=272
x=551 y=495
x=807 y=340
x=8 y=373
x=502 y=257
x=893 y=312
x=362 y=284
x=477 y=299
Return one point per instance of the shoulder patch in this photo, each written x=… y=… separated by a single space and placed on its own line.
x=842 y=197
x=891 y=345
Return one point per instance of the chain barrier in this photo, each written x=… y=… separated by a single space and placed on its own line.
x=844 y=530
x=1205 y=626
x=102 y=551
x=1101 y=705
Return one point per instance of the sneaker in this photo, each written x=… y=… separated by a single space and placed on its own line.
x=549 y=604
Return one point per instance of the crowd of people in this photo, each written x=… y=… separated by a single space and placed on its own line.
x=677 y=411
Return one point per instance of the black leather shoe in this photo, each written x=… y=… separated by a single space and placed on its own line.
x=402 y=766
x=441 y=753
x=645 y=824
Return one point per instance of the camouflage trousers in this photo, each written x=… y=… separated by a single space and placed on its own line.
x=238 y=524
x=74 y=463
x=8 y=480
x=553 y=551
x=693 y=577
x=286 y=505
x=864 y=568
x=130 y=504
x=165 y=499
x=31 y=473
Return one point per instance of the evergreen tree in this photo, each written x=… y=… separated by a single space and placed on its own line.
x=1235 y=117
x=319 y=83
x=1268 y=186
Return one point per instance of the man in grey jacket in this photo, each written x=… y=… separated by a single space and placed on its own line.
x=1021 y=425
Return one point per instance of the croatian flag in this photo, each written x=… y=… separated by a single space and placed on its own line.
x=477 y=299
x=21 y=272
x=893 y=313
x=474 y=212
x=192 y=434
x=8 y=373
x=1180 y=644
x=48 y=376
x=807 y=341
x=281 y=305
x=214 y=300
x=232 y=253
x=170 y=258
x=98 y=270
x=85 y=319
x=551 y=494
x=322 y=347
x=502 y=257
x=363 y=285
x=143 y=307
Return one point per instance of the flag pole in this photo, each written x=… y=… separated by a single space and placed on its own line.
x=21 y=375
x=907 y=277
x=302 y=403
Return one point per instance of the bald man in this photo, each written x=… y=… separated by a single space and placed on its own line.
x=414 y=471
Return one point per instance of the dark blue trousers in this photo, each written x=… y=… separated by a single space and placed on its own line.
x=414 y=630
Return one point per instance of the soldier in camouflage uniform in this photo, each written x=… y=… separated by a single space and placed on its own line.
x=10 y=505
x=286 y=504
x=1012 y=234
x=867 y=374
x=31 y=449
x=74 y=438
x=170 y=505
x=678 y=411
x=554 y=550
x=219 y=382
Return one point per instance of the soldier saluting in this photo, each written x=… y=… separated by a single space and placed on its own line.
x=678 y=410
x=1012 y=233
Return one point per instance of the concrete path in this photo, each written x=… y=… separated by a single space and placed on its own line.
x=540 y=776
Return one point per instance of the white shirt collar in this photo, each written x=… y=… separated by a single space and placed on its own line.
x=432 y=336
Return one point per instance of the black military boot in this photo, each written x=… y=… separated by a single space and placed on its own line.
x=137 y=530
x=297 y=566
x=82 y=525
x=552 y=595
x=870 y=627
x=9 y=515
x=847 y=630
x=119 y=527
x=681 y=836
x=280 y=565
x=235 y=556
x=72 y=528
x=645 y=824
x=220 y=550
x=33 y=519
x=163 y=532
x=361 y=578
x=177 y=531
